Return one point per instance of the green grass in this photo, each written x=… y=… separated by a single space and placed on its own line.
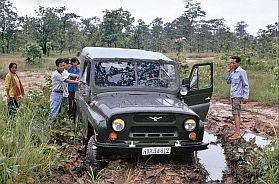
x=25 y=150
x=29 y=150
x=262 y=83
x=263 y=164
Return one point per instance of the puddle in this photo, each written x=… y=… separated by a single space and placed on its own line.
x=259 y=140
x=213 y=158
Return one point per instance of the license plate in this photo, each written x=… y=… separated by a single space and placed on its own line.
x=156 y=151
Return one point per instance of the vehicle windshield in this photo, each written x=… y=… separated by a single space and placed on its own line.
x=135 y=74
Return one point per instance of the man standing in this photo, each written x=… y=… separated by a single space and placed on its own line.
x=239 y=90
x=56 y=97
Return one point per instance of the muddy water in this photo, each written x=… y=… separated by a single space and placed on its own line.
x=213 y=158
x=259 y=140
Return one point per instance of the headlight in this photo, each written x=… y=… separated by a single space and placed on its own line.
x=190 y=125
x=118 y=125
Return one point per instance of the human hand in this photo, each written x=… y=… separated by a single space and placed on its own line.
x=228 y=67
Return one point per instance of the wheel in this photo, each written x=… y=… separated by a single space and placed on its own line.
x=93 y=157
x=75 y=114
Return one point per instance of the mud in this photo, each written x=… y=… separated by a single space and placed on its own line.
x=29 y=80
x=223 y=162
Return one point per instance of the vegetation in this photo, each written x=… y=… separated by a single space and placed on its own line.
x=31 y=52
x=263 y=164
x=29 y=150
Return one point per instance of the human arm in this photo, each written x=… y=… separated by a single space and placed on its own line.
x=245 y=86
x=228 y=77
x=72 y=81
x=228 y=74
x=7 y=85
x=73 y=75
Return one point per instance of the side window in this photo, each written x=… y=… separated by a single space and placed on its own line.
x=88 y=68
x=85 y=77
x=201 y=77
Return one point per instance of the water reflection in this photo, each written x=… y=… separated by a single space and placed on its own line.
x=259 y=140
x=213 y=158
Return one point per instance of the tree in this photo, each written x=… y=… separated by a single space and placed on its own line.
x=8 y=24
x=65 y=22
x=90 y=29
x=115 y=24
x=32 y=51
x=242 y=35
x=192 y=13
x=157 y=34
x=47 y=26
x=141 y=34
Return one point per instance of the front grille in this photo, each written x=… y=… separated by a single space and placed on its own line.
x=167 y=118
x=153 y=132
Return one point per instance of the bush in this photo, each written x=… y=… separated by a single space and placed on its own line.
x=32 y=51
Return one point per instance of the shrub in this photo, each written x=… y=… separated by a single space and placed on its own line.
x=32 y=51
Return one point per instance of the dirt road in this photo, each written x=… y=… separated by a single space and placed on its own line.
x=221 y=162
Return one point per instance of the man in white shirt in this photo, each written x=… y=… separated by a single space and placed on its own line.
x=58 y=80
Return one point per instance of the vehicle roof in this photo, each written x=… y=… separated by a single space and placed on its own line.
x=103 y=52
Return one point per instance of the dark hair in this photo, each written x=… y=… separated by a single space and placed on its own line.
x=237 y=59
x=11 y=65
x=74 y=60
x=58 y=61
x=67 y=60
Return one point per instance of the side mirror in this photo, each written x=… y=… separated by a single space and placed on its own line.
x=186 y=83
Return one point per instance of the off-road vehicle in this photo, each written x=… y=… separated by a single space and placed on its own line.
x=133 y=101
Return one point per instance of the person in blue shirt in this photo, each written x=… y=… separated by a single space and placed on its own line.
x=239 y=91
x=72 y=88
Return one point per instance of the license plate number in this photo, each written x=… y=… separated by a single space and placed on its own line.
x=156 y=151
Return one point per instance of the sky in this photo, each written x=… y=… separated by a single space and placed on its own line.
x=256 y=13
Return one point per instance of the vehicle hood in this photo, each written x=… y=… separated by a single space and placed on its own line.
x=110 y=104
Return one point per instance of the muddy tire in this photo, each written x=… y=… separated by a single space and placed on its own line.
x=75 y=114
x=93 y=157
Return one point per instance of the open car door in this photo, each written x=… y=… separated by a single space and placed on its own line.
x=200 y=88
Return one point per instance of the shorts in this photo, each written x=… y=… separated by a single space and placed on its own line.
x=236 y=108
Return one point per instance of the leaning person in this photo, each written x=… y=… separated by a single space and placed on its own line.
x=56 y=96
x=14 y=89
x=65 y=85
x=239 y=91
x=72 y=87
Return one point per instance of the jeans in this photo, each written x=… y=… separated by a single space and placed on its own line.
x=55 y=106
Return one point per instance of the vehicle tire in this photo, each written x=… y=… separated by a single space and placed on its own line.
x=75 y=113
x=93 y=157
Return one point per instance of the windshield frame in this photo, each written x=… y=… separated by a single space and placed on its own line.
x=98 y=89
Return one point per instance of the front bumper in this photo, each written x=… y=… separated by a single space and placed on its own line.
x=137 y=149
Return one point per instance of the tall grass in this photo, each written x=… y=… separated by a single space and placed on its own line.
x=25 y=142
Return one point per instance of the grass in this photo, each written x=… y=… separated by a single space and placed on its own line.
x=263 y=164
x=45 y=64
x=262 y=83
x=25 y=150
x=29 y=151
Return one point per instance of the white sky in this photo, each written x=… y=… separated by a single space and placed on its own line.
x=256 y=13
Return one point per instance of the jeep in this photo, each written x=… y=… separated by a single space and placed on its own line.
x=132 y=101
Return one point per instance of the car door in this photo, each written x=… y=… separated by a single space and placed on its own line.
x=84 y=91
x=200 y=88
